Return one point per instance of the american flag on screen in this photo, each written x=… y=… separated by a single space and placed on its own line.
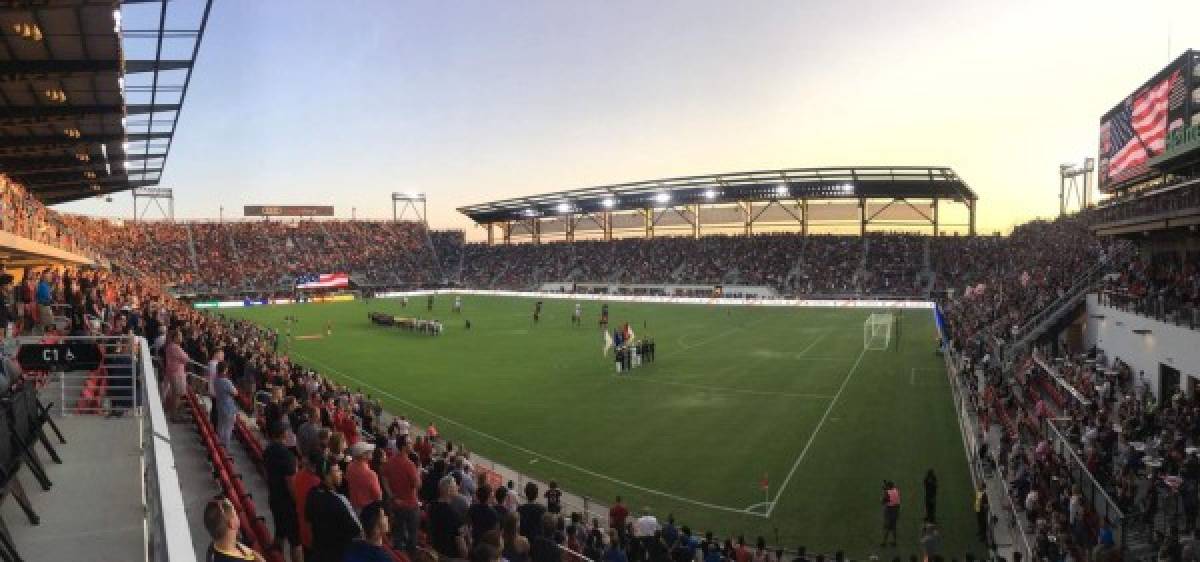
x=1138 y=130
x=322 y=281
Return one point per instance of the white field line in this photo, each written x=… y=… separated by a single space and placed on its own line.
x=718 y=336
x=816 y=431
x=532 y=453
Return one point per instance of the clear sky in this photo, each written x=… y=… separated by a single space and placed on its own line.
x=345 y=102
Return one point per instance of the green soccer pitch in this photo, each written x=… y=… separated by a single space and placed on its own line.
x=735 y=393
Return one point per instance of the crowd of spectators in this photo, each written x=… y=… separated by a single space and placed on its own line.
x=996 y=284
x=1165 y=285
x=23 y=215
x=266 y=256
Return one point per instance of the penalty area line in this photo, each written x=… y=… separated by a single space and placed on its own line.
x=816 y=431
x=533 y=453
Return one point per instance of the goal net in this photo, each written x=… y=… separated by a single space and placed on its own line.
x=877 y=331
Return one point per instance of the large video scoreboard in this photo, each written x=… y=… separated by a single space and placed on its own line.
x=1158 y=121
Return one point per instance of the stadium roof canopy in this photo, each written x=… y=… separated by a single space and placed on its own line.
x=861 y=182
x=91 y=91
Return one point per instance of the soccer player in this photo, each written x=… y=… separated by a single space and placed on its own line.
x=604 y=315
x=577 y=317
x=457 y=304
x=429 y=303
x=537 y=312
x=403 y=302
x=328 y=328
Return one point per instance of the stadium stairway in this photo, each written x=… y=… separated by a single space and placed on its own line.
x=1064 y=305
x=192 y=247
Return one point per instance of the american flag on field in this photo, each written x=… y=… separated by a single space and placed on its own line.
x=322 y=281
x=1138 y=130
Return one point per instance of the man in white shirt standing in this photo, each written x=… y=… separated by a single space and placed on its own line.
x=646 y=525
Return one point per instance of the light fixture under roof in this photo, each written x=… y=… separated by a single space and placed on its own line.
x=27 y=31
x=662 y=197
x=56 y=95
x=710 y=194
x=781 y=190
x=564 y=207
x=609 y=202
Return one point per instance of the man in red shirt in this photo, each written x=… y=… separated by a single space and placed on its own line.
x=304 y=481
x=617 y=515
x=401 y=480
x=344 y=422
x=361 y=482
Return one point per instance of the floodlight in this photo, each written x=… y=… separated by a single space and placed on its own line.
x=564 y=207
x=608 y=202
x=710 y=194
x=781 y=190
x=662 y=197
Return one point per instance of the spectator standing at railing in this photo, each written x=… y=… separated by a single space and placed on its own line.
x=175 y=360
x=225 y=404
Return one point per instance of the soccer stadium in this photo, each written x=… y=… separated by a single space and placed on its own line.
x=581 y=283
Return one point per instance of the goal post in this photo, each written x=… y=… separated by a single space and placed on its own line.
x=877 y=331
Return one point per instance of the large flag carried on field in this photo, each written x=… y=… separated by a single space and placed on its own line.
x=608 y=343
x=323 y=281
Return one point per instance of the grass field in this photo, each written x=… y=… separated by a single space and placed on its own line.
x=736 y=393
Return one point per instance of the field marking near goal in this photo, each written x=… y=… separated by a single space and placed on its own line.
x=813 y=437
x=536 y=454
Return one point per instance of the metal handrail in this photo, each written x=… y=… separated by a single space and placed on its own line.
x=168 y=536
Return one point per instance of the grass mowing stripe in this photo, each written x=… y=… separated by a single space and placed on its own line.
x=816 y=431
x=725 y=388
x=514 y=446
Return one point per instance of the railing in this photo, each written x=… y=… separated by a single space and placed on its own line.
x=168 y=536
x=965 y=404
x=1089 y=487
x=1159 y=307
x=1160 y=202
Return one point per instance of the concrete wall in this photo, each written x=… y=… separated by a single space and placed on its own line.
x=1166 y=344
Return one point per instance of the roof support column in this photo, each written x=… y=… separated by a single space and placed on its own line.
x=804 y=217
x=935 y=216
x=862 y=216
x=648 y=215
x=536 y=228
x=696 y=220
x=971 y=223
x=749 y=226
x=507 y=228
x=607 y=226
x=570 y=228
x=491 y=234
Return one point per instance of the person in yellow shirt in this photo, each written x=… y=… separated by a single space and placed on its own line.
x=221 y=521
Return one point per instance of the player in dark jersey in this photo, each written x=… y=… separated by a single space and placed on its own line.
x=537 y=312
x=429 y=303
x=604 y=315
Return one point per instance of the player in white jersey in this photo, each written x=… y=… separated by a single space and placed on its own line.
x=458 y=304
x=577 y=317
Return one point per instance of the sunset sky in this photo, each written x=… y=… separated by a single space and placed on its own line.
x=344 y=103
